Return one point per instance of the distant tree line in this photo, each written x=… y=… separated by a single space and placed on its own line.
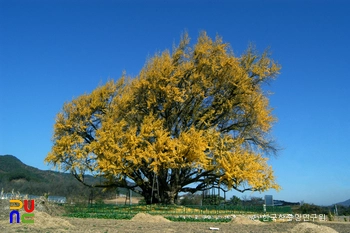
x=328 y=210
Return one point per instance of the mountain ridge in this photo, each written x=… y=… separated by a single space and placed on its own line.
x=19 y=177
x=344 y=203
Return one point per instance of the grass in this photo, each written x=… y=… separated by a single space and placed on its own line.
x=199 y=218
x=173 y=213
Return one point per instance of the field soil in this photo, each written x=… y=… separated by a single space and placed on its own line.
x=48 y=219
x=123 y=200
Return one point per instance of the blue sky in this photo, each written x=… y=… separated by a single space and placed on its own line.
x=53 y=51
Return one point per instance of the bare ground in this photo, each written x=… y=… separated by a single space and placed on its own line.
x=144 y=223
x=108 y=225
x=48 y=220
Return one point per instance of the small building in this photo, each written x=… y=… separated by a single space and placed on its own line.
x=269 y=200
x=57 y=199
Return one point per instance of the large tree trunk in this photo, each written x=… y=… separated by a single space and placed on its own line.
x=171 y=198
x=165 y=197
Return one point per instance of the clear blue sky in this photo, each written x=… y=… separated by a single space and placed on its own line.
x=52 y=51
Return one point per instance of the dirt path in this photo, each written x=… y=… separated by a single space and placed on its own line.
x=47 y=219
x=46 y=223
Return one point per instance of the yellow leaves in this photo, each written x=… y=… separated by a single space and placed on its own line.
x=151 y=144
x=198 y=108
x=240 y=166
x=259 y=67
x=264 y=117
x=75 y=127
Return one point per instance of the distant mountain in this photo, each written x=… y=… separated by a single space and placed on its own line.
x=345 y=203
x=12 y=169
x=17 y=176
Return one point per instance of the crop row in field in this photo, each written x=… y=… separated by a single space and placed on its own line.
x=174 y=213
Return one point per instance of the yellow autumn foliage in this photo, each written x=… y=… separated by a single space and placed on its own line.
x=193 y=118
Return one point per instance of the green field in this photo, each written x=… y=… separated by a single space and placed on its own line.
x=220 y=213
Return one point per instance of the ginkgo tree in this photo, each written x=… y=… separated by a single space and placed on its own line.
x=194 y=118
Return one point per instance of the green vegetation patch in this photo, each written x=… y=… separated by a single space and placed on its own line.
x=206 y=218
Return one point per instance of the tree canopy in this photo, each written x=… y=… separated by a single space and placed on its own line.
x=192 y=119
